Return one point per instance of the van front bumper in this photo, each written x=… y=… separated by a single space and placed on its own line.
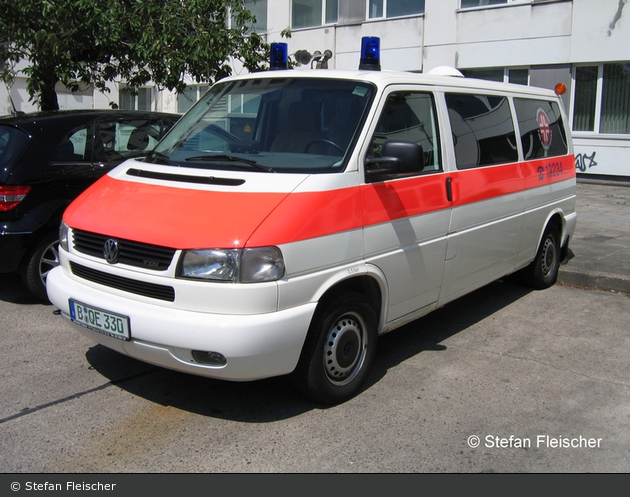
x=254 y=346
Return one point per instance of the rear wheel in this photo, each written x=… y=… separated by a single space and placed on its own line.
x=38 y=263
x=339 y=350
x=543 y=271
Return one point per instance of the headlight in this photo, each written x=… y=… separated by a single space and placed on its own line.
x=237 y=265
x=63 y=235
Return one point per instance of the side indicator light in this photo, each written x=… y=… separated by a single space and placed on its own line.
x=560 y=89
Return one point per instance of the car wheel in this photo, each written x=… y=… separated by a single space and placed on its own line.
x=543 y=271
x=39 y=261
x=339 y=350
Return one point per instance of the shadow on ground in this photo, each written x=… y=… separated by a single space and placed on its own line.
x=274 y=399
x=13 y=290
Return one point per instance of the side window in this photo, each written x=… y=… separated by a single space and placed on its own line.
x=483 y=130
x=541 y=127
x=409 y=117
x=12 y=141
x=74 y=147
x=117 y=140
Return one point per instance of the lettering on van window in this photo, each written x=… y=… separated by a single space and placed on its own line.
x=550 y=170
x=584 y=162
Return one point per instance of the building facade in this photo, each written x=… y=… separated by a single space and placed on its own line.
x=584 y=44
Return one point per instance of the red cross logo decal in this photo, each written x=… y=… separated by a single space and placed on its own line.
x=544 y=130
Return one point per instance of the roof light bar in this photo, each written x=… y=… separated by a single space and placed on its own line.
x=370 y=54
x=279 y=56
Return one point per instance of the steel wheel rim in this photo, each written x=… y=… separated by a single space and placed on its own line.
x=549 y=256
x=345 y=348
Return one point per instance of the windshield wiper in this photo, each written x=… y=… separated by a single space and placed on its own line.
x=160 y=158
x=230 y=158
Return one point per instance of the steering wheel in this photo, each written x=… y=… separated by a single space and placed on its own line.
x=323 y=140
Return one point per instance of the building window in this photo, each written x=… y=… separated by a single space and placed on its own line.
x=471 y=4
x=601 y=102
x=189 y=96
x=394 y=8
x=258 y=8
x=309 y=13
x=140 y=101
x=487 y=74
x=517 y=76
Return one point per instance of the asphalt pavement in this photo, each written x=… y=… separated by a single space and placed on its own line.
x=599 y=256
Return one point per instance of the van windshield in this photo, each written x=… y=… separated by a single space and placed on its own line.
x=299 y=125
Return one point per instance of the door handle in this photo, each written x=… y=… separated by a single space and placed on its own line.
x=449 y=189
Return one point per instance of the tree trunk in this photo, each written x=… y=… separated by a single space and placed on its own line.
x=48 y=95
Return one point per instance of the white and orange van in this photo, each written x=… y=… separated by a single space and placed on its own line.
x=291 y=217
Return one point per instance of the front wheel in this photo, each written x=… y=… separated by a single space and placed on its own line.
x=38 y=263
x=339 y=350
x=543 y=271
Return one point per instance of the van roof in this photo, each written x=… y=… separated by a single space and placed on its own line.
x=387 y=77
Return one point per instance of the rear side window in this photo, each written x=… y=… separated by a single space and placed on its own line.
x=73 y=148
x=483 y=130
x=541 y=127
x=12 y=141
x=123 y=138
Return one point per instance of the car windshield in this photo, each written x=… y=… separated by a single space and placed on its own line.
x=299 y=125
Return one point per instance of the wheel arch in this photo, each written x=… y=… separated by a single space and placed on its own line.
x=557 y=218
x=370 y=285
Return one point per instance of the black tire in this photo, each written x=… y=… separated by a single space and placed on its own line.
x=543 y=271
x=43 y=257
x=339 y=350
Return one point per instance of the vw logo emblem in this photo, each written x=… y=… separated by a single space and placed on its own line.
x=110 y=251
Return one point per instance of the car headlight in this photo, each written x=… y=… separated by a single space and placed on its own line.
x=63 y=235
x=251 y=265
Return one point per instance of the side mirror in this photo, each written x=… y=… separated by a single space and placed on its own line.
x=397 y=158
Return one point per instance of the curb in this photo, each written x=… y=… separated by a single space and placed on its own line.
x=594 y=280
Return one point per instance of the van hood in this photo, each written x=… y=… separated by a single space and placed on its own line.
x=180 y=208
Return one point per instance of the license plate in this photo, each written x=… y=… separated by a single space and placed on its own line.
x=109 y=323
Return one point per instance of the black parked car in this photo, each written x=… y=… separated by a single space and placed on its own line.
x=46 y=160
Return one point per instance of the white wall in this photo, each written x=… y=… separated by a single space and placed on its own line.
x=601 y=31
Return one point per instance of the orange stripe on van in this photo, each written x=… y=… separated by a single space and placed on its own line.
x=171 y=217
x=191 y=218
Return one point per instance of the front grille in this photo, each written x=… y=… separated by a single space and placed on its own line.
x=151 y=290
x=132 y=253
